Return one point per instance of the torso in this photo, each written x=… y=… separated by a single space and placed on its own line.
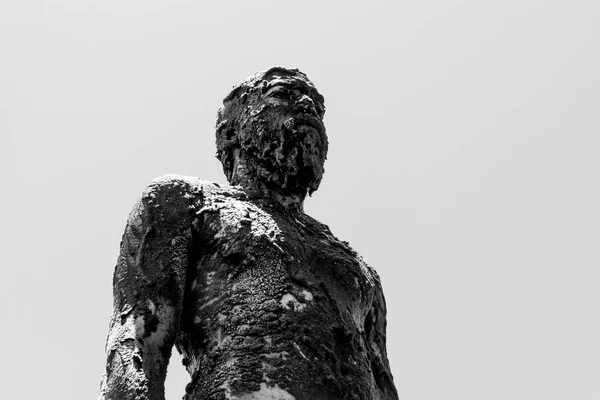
x=275 y=305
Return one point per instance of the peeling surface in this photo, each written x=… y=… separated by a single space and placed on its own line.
x=149 y=282
x=307 y=295
x=276 y=310
x=281 y=355
x=235 y=215
x=261 y=300
x=267 y=392
x=260 y=314
x=270 y=132
x=289 y=302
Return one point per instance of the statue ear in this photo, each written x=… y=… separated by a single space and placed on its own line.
x=226 y=133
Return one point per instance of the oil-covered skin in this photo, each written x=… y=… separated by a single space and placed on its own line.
x=262 y=300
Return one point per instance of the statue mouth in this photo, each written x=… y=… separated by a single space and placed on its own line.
x=305 y=120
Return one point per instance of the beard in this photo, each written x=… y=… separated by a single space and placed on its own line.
x=285 y=153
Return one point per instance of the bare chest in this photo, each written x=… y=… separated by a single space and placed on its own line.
x=239 y=236
x=265 y=285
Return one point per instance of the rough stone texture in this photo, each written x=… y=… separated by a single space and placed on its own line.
x=271 y=129
x=262 y=300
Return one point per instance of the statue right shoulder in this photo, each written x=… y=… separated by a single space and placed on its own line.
x=173 y=183
x=171 y=197
x=174 y=188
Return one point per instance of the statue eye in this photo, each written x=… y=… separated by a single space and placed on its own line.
x=279 y=94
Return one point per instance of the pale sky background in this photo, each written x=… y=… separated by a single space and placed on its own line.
x=463 y=165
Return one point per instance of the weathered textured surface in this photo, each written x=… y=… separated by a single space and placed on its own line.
x=262 y=300
x=270 y=130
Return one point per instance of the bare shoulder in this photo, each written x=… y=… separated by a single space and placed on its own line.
x=173 y=185
x=174 y=191
x=172 y=197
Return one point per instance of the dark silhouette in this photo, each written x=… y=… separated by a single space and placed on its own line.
x=261 y=299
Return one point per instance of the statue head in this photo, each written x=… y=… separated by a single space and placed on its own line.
x=270 y=133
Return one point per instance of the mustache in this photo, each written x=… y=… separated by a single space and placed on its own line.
x=298 y=120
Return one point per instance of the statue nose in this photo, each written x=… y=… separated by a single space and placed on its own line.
x=305 y=99
x=306 y=103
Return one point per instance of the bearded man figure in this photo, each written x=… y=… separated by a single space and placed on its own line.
x=262 y=301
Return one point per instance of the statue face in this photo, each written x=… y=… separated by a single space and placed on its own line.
x=297 y=99
x=282 y=133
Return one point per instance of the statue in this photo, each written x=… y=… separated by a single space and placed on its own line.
x=262 y=301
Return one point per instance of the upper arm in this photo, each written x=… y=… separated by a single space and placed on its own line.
x=148 y=288
x=152 y=263
x=375 y=329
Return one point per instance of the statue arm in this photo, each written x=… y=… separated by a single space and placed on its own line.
x=376 y=332
x=148 y=289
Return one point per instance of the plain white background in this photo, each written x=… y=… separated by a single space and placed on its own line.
x=463 y=165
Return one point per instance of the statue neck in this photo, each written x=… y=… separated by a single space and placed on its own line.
x=259 y=190
x=246 y=176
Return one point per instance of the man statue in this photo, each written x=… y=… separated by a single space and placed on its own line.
x=262 y=301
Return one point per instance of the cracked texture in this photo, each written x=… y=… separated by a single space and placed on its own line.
x=261 y=299
x=256 y=296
